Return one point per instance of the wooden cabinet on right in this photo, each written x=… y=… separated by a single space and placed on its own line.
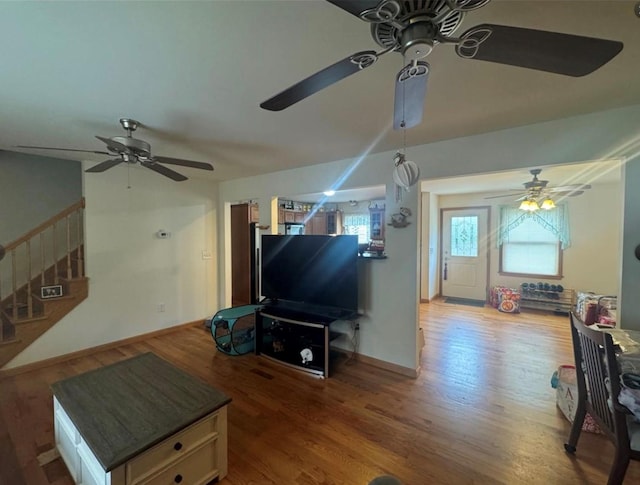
x=376 y=218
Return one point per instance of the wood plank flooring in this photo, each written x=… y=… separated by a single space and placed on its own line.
x=482 y=410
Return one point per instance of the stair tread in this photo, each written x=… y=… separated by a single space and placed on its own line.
x=20 y=321
x=10 y=341
x=56 y=298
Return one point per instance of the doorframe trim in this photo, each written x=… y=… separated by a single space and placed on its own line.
x=440 y=258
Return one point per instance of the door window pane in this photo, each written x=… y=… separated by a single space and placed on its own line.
x=464 y=236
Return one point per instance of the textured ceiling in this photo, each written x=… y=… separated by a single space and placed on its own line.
x=194 y=73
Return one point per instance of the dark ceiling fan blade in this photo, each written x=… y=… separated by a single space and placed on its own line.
x=113 y=145
x=101 y=167
x=184 y=163
x=570 y=187
x=567 y=54
x=162 y=170
x=355 y=7
x=411 y=89
x=320 y=80
x=64 y=149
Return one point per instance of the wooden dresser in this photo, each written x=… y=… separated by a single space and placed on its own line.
x=141 y=421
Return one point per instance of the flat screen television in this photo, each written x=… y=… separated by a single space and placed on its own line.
x=315 y=270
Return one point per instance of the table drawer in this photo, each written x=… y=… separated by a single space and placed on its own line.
x=197 y=468
x=171 y=449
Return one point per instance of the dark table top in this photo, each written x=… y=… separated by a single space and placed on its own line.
x=127 y=407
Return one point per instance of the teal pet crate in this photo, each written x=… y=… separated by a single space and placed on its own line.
x=234 y=329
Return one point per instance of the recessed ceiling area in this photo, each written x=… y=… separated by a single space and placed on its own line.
x=361 y=194
x=597 y=172
x=593 y=173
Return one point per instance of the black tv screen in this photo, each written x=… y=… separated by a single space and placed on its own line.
x=314 y=269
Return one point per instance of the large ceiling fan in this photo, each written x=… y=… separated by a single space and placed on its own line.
x=415 y=27
x=538 y=191
x=131 y=150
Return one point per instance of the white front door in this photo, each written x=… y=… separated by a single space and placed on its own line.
x=464 y=259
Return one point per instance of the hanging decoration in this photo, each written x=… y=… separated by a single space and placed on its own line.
x=405 y=174
x=400 y=219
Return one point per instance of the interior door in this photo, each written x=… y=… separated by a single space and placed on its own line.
x=464 y=269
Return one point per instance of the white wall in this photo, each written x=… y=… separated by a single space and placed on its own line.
x=429 y=247
x=131 y=271
x=33 y=189
x=592 y=262
x=389 y=331
x=629 y=303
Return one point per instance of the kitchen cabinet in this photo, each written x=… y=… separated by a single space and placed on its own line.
x=317 y=224
x=334 y=222
x=254 y=213
x=376 y=218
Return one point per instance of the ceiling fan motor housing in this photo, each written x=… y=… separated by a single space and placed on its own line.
x=417 y=40
x=389 y=35
x=138 y=147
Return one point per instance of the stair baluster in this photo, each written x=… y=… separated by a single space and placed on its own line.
x=14 y=284
x=79 y=235
x=42 y=262
x=68 y=227
x=29 y=295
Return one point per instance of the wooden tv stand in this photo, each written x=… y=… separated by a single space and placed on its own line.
x=295 y=338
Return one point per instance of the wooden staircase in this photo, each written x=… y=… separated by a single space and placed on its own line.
x=50 y=255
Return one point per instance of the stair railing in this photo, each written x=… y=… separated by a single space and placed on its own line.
x=39 y=250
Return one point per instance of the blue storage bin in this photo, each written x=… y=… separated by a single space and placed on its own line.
x=234 y=330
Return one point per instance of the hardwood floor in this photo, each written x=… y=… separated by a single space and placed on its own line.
x=482 y=410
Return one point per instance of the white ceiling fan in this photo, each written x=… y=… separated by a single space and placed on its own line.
x=131 y=150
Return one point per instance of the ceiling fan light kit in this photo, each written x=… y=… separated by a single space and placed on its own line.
x=415 y=28
x=128 y=149
x=538 y=195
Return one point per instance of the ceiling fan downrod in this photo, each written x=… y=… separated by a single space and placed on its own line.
x=129 y=125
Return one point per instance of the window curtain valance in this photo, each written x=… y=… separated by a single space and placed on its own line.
x=556 y=221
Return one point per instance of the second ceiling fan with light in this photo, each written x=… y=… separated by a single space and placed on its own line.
x=538 y=195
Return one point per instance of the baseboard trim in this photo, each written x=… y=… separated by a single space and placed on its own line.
x=381 y=364
x=424 y=300
x=41 y=364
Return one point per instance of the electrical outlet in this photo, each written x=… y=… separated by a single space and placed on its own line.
x=357 y=327
x=160 y=307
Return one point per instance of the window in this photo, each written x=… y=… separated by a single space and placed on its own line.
x=464 y=236
x=357 y=224
x=532 y=243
